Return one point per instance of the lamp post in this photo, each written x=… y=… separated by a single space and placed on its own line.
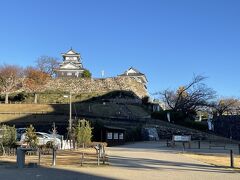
x=70 y=111
x=70 y=118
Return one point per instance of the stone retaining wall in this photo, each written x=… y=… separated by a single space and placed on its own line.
x=88 y=85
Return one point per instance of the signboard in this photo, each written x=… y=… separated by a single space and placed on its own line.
x=109 y=135
x=181 y=138
x=115 y=135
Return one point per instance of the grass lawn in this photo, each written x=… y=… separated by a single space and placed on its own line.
x=217 y=160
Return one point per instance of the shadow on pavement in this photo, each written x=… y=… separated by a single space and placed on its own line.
x=143 y=163
x=9 y=171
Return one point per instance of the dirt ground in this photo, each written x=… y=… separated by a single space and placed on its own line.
x=141 y=161
x=64 y=158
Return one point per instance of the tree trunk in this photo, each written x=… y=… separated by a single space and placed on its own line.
x=35 y=98
x=3 y=149
x=6 y=98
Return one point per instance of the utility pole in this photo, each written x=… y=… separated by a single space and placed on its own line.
x=70 y=118
x=70 y=111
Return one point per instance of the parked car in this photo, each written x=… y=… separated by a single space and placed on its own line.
x=44 y=139
x=20 y=131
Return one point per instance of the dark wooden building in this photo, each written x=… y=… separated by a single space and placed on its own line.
x=114 y=135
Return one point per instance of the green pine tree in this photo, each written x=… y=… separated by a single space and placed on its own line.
x=31 y=137
x=83 y=133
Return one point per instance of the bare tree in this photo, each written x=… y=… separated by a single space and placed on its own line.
x=188 y=97
x=34 y=80
x=47 y=64
x=10 y=79
x=227 y=105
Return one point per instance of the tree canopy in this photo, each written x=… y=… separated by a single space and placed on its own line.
x=47 y=64
x=187 y=98
x=226 y=105
x=10 y=79
x=35 y=79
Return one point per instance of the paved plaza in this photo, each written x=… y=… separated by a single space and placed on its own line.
x=145 y=160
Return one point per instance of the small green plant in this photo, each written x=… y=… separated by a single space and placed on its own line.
x=7 y=137
x=86 y=74
x=31 y=137
x=83 y=133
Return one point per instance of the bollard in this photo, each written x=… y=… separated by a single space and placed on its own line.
x=183 y=146
x=61 y=142
x=39 y=156
x=98 y=158
x=20 y=158
x=82 y=159
x=231 y=159
x=199 y=144
x=54 y=157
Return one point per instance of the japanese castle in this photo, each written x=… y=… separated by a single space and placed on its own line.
x=136 y=75
x=71 y=65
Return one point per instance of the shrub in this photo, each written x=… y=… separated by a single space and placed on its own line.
x=83 y=133
x=194 y=125
x=31 y=137
x=8 y=137
x=181 y=119
x=20 y=96
x=86 y=74
x=174 y=116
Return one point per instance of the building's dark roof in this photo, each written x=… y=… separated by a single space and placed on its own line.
x=73 y=52
x=137 y=72
x=132 y=74
x=116 y=128
x=80 y=69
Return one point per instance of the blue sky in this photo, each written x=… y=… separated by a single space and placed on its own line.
x=168 y=40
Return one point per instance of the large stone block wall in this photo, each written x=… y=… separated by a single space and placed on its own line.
x=88 y=85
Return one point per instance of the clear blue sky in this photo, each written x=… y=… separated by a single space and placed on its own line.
x=168 y=40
